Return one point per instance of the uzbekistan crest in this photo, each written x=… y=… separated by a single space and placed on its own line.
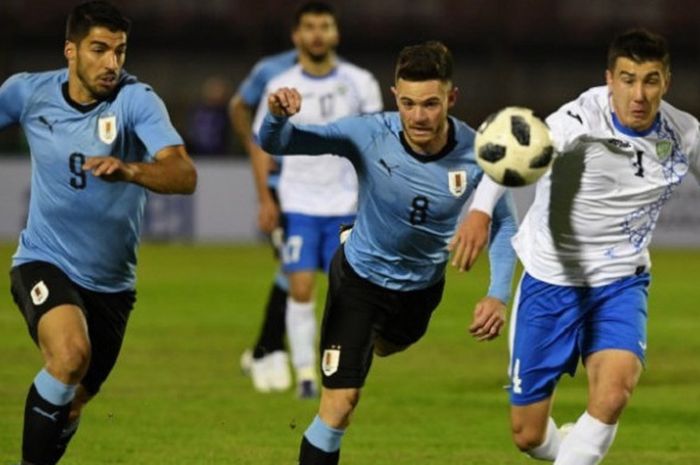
x=329 y=364
x=458 y=182
x=664 y=149
x=107 y=128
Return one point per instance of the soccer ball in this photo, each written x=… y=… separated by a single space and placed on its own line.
x=514 y=147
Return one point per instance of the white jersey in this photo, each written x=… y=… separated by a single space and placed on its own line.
x=326 y=185
x=595 y=211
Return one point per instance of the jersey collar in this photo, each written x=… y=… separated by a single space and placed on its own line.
x=631 y=132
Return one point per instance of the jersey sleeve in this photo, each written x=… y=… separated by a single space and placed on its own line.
x=151 y=122
x=345 y=137
x=371 y=96
x=253 y=86
x=567 y=125
x=501 y=254
x=13 y=95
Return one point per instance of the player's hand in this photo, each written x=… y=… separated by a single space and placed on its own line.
x=470 y=239
x=268 y=215
x=109 y=168
x=284 y=102
x=489 y=319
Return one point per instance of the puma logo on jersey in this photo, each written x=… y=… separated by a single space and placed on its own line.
x=386 y=166
x=621 y=144
x=46 y=122
x=575 y=116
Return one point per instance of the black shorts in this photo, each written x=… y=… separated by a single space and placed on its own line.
x=357 y=311
x=37 y=287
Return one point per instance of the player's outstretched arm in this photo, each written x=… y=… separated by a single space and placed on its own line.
x=241 y=115
x=171 y=172
x=470 y=239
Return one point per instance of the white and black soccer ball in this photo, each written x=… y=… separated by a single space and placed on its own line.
x=514 y=147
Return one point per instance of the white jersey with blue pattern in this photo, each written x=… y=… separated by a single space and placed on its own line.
x=86 y=226
x=595 y=211
x=409 y=204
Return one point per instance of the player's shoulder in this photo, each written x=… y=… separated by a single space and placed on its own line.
x=683 y=121
x=39 y=79
x=130 y=87
x=345 y=68
x=590 y=109
x=286 y=78
x=272 y=65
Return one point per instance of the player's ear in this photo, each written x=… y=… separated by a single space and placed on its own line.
x=69 y=50
x=609 y=78
x=452 y=96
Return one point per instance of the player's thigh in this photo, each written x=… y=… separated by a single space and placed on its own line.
x=352 y=305
x=302 y=243
x=332 y=227
x=405 y=319
x=545 y=325
x=107 y=314
x=38 y=288
x=618 y=319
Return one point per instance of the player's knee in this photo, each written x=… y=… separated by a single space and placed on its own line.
x=69 y=361
x=302 y=291
x=337 y=406
x=608 y=408
x=384 y=348
x=526 y=437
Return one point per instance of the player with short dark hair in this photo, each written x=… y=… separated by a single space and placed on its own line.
x=416 y=169
x=623 y=151
x=99 y=140
x=316 y=195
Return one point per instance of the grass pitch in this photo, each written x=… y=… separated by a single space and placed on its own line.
x=177 y=396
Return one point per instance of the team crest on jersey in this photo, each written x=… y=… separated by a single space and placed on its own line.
x=39 y=293
x=107 y=128
x=664 y=149
x=329 y=364
x=457 y=182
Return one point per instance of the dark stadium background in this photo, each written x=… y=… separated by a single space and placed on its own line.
x=535 y=53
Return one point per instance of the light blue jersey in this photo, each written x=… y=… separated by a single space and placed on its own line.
x=409 y=204
x=86 y=226
x=252 y=90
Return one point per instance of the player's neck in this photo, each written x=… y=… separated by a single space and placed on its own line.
x=317 y=68
x=78 y=93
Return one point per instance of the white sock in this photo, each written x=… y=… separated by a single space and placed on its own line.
x=301 y=333
x=549 y=448
x=587 y=442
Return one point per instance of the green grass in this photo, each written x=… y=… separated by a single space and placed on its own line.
x=177 y=397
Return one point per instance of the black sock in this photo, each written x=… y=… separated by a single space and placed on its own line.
x=43 y=423
x=66 y=435
x=311 y=455
x=271 y=337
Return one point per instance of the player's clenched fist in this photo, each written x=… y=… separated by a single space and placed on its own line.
x=284 y=102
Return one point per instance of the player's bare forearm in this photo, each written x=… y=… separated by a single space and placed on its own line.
x=172 y=171
x=489 y=319
x=469 y=240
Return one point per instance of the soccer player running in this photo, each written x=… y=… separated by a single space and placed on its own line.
x=416 y=169
x=98 y=140
x=583 y=244
x=317 y=195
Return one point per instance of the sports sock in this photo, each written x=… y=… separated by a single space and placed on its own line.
x=45 y=416
x=301 y=332
x=587 y=442
x=320 y=444
x=66 y=435
x=550 y=446
x=271 y=338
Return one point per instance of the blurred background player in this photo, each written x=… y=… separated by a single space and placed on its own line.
x=268 y=362
x=584 y=247
x=416 y=169
x=317 y=196
x=98 y=139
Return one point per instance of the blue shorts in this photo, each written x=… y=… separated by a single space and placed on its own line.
x=311 y=241
x=552 y=327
